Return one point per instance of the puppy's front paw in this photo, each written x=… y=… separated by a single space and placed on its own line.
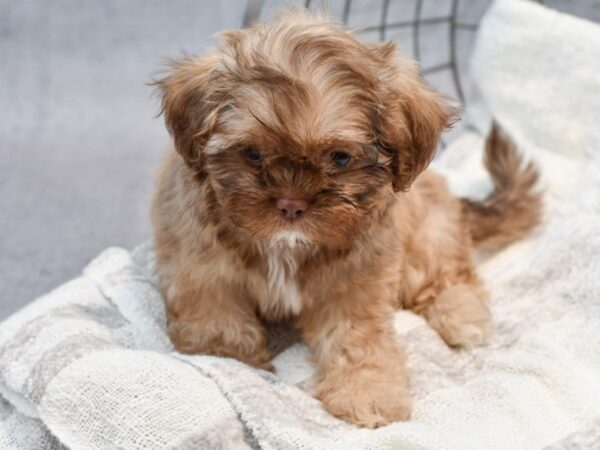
x=363 y=398
x=460 y=317
x=261 y=360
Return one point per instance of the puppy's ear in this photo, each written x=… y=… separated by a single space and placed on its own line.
x=413 y=116
x=190 y=103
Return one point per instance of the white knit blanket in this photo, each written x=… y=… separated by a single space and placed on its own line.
x=89 y=366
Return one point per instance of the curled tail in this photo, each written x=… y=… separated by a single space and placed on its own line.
x=514 y=207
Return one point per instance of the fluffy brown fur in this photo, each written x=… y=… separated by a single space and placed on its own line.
x=299 y=111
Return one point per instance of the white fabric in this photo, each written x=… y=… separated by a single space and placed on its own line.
x=89 y=365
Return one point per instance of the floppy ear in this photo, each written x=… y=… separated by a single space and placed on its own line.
x=413 y=117
x=190 y=104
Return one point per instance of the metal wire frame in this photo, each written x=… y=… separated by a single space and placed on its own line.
x=252 y=13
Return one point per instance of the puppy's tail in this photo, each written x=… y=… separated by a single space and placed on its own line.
x=514 y=207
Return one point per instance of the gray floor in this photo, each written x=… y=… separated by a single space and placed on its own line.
x=78 y=134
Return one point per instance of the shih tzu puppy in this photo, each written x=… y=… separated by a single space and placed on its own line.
x=298 y=190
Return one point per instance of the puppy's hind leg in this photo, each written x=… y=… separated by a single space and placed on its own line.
x=456 y=307
x=461 y=316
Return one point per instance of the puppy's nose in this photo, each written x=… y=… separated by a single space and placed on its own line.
x=291 y=208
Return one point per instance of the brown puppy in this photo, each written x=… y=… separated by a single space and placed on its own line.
x=292 y=194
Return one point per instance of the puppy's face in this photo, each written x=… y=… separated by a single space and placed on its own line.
x=303 y=132
x=295 y=164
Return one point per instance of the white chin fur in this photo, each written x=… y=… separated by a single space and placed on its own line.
x=289 y=239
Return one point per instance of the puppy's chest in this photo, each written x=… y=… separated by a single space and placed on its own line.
x=282 y=296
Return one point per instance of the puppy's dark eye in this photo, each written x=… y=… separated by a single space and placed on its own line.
x=253 y=155
x=340 y=159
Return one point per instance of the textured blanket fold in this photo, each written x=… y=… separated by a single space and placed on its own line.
x=89 y=365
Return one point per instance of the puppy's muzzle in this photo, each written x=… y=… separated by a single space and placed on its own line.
x=291 y=208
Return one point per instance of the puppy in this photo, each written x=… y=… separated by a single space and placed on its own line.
x=297 y=190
